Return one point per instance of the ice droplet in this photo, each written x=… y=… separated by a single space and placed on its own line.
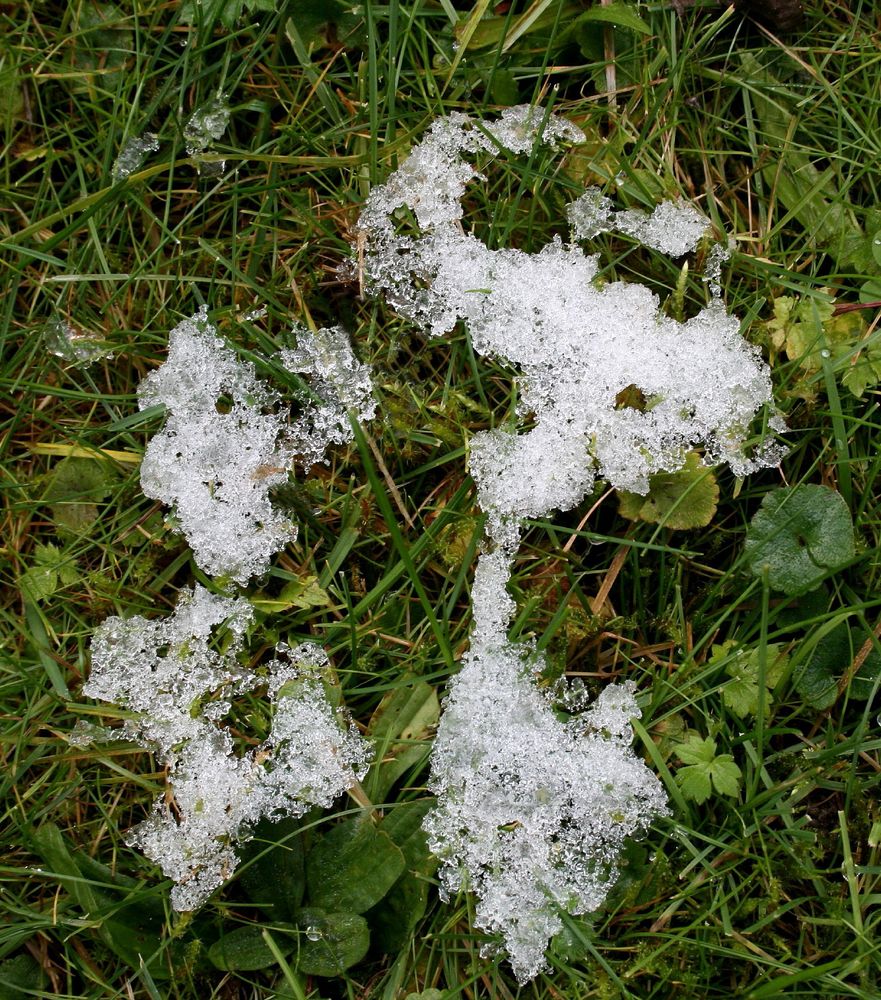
x=133 y=154
x=825 y=353
x=313 y=933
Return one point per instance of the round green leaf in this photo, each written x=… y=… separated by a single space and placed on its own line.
x=683 y=500
x=330 y=942
x=799 y=536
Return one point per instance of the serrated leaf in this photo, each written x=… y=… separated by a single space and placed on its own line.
x=330 y=943
x=621 y=15
x=681 y=500
x=799 y=536
x=50 y=568
x=352 y=867
x=694 y=781
x=740 y=693
x=725 y=775
x=696 y=750
x=706 y=770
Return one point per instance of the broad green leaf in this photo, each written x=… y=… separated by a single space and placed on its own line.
x=303 y=593
x=227 y=12
x=245 y=949
x=21 y=976
x=275 y=876
x=681 y=500
x=320 y=22
x=405 y=718
x=330 y=943
x=133 y=931
x=817 y=680
x=621 y=15
x=392 y=919
x=504 y=88
x=104 y=41
x=799 y=536
x=352 y=867
x=816 y=684
x=74 y=490
x=870 y=291
x=876 y=247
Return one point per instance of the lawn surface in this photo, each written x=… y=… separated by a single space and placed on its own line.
x=761 y=884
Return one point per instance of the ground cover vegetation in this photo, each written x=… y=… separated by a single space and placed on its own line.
x=162 y=158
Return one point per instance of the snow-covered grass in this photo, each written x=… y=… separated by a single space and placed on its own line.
x=764 y=886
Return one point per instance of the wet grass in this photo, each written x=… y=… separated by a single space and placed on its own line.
x=772 y=893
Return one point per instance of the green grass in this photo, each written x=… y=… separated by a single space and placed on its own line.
x=771 y=894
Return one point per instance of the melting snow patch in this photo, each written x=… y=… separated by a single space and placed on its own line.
x=227 y=441
x=74 y=346
x=178 y=688
x=531 y=811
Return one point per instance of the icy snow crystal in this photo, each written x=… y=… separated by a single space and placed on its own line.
x=208 y=122
x=532 y=812
x=674 y=227
x=227 y=442
x=132 y=155
x=179 y=689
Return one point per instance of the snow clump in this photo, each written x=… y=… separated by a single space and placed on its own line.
x=178 y=688
x=532 y=812
x=228 y=441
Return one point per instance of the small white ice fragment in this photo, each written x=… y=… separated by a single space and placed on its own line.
x=340 y=384
x=206 y=124
x=674 y=227
x=74 y=346
x=133 y=154
x=590 y=214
